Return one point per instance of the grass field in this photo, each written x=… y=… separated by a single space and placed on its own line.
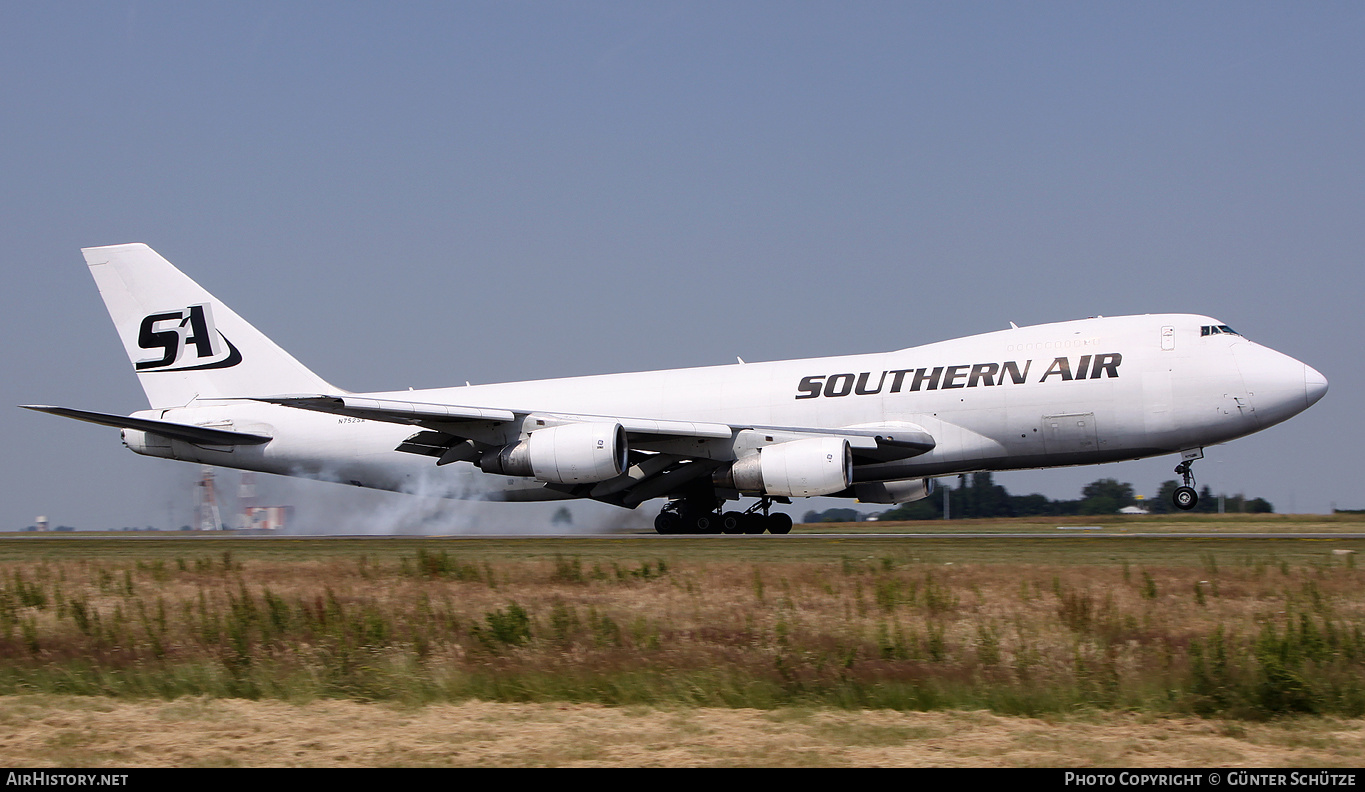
x=1227 y=627
x=95 y=731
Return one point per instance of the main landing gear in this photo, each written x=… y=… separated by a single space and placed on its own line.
x=1185 y=498
x=699 y=516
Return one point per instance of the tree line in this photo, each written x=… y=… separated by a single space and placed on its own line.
x=977 y=496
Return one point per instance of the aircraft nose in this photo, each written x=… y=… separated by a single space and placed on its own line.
x=1315 y=384
x=1278 y=386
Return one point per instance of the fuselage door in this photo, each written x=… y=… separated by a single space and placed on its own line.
x=1167 y=338
x=1070 y=433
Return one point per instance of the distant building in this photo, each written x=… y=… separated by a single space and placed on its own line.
x=267 y=518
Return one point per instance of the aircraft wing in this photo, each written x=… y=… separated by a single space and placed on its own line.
x=883 y=442
x=665 y=454
x=420 y=414
x=200 y=435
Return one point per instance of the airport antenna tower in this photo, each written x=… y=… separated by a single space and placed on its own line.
x=206 y=513
x=246 y=501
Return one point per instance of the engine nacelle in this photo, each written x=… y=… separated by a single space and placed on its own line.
x=904 y=491
x=580 y=453
x=800 y=468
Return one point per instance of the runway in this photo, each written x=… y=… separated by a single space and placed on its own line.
x=1080 y=534
x=1060 y=534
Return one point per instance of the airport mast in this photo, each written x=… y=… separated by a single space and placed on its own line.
x=207 y=517
x=246 y=501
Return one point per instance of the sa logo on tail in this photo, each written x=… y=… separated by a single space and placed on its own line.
x=188 y=341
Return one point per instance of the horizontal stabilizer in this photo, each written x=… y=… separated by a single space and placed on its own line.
x=200 y=435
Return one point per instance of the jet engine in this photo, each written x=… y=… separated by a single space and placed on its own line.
x=903 y=491
x=579 y=453
x=802 y=468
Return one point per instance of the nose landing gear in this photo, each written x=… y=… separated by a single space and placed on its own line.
x=1185 y=498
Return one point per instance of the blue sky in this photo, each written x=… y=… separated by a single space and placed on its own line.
x=419 y=194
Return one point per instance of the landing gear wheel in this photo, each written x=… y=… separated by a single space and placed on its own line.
x=732 y=522
x=757 y=519
x=693 y=513
x=1185 y=497
x=667 y=523
x=703 y=523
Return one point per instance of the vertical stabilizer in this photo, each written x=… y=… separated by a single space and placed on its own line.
x=183 y=343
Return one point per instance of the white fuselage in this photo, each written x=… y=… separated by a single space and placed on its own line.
x=1069 y=393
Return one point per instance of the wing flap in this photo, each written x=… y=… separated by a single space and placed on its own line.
x=432 y=444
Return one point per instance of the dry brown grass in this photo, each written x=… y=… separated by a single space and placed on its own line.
x=71 y=731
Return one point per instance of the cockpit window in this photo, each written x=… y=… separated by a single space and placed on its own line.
x=1207 y=330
